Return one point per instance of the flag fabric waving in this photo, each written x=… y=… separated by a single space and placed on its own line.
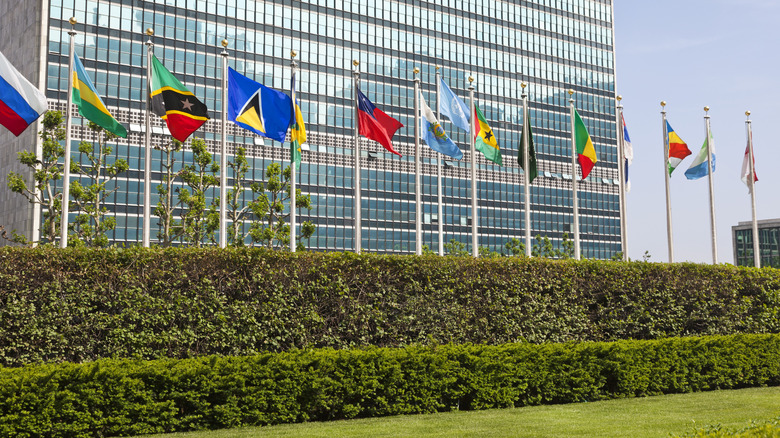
x=90 y=104
x=262 y=110
x=484 y=140
x=699 y=167
x=433 y=133
x=21 y=103
x=452 y=107
x=297 y=129
x=678 y=149
x=373 y=123
x=586 y=153
x=532 y=169
x=171 y=100
x=746 y=168
x=628 y=154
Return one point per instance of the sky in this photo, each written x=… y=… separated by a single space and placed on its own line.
x=724 y=54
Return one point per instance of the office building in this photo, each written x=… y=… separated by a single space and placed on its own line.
x=553 y=45
x=768 y=243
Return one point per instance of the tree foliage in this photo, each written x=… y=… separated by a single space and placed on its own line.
x=167 y=204
x=91 y=223
x=270 y=227
x=46 y=171
x=198 y=221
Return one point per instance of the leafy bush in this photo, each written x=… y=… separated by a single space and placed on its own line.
x=123 y=396
x=81 y=305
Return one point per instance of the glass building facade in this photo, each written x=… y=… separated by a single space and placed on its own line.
x=768 y=243
x=553 y=45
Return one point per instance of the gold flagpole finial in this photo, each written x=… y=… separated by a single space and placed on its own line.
x=663 y=103
x=72 y=21
x=149 y=31
x=571 y=91
x=619 y=98
x=293 y=53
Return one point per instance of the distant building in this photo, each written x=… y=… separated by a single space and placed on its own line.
x=768 y=243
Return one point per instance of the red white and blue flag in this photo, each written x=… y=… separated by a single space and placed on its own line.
x=628 y=154
x=373 y=123
x=21 y=103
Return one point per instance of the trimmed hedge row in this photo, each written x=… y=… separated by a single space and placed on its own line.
x=124 y=397
x=81 y=305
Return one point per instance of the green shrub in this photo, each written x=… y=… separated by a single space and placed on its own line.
x=112 y=397
x=81 y=305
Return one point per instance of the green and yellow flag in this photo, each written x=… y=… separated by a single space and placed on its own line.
x=90 y=104
x=484 y=140
x=297 y=130
x=586 y=153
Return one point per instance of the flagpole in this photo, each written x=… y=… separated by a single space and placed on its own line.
x=752 y=185
x=438 y=169
x=712 y=187
x=473 y=149
x=293 y=224
x=526 y=169
x=68 y=122
x=417 y=190
x=669 y=236
x=575 y=207
x=622 y=179
x=148 y=144
x=357 y=207
x=223 y=152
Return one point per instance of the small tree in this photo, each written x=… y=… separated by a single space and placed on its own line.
x=238 y=212
x=456 y=248
x=91 y=223
x=166 y=205
x=514 y=247
x=270 y=227
x=198 y=223
x=46 y=171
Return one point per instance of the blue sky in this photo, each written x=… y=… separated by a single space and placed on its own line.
x=723 y=54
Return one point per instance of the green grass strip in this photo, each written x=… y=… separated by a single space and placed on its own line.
x=679 y=414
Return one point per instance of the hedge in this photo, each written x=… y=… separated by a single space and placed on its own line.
x=81 y=305
x=112 y=397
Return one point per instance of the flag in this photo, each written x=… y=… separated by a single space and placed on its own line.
x=678 y=149
x=171 y=100
x=628 y=154
x=21 y=103
x=699 y=166
x=262 y=110
x=375 y=124
x=90 y=104
x=532 y=169
x=586 y=153
x=434 y=135
x=297 y=130
x=452 y=107
x=746 y=168
x=484 y=140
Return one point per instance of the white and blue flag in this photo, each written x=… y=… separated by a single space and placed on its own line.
x=434 y=134
x=452 y=107
x=628 y=154
x=699 y=166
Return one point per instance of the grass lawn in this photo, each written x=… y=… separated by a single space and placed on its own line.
x=638 y=417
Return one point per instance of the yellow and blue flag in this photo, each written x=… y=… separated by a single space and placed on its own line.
x=257 y=108
x=90 y=104
x=297 y=129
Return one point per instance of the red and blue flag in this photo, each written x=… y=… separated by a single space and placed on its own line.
x=373 y=123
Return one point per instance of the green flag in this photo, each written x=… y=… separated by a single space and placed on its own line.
x=532 y=170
